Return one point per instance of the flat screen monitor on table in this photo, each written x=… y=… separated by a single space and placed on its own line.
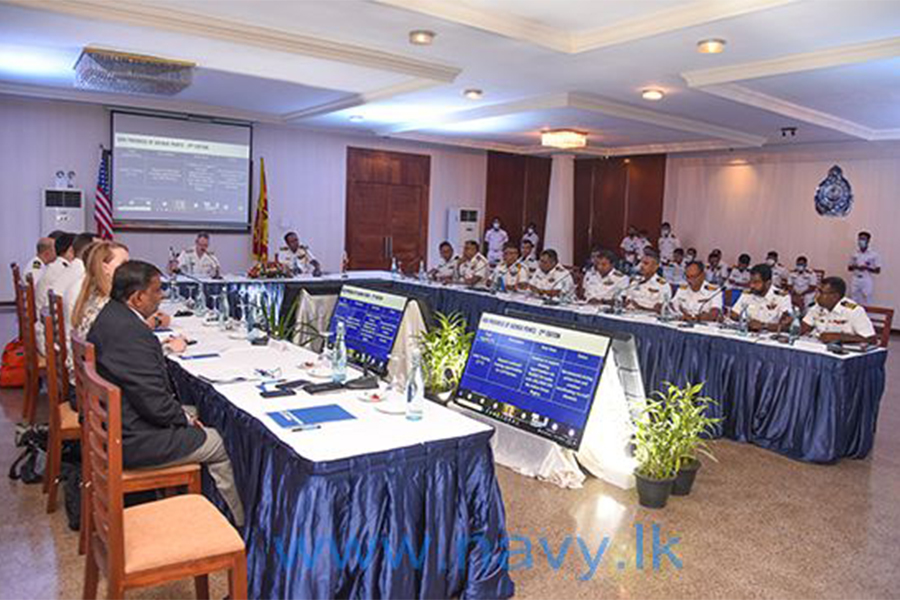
x=371 y=321
x=537 y=377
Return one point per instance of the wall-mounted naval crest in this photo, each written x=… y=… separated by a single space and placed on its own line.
x=834 y=197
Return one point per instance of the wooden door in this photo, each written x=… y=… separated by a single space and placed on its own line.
x=387 y=208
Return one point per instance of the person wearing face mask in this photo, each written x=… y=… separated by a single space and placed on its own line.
x=632 y=245
x=690 y=256
x=673 y=271
x=716 y=272
x=863 y=264
x=531 y=235
x=802 y=283
x=495 y=238
x=779 y=272
x=668 y=242
x=768 y=308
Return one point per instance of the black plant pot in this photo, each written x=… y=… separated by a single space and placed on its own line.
x=653 y=493
x=684 y=481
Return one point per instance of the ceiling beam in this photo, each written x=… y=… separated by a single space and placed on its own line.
x=354 y=100
x=534 y=32
x=796 y=63
x=194 y=24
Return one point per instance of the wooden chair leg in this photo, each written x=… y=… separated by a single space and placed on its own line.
x=91 y=574
x=201 y=586
x=32 y=405
x=51 y=475
x=85 y=522
x=115 y=590
x=237 y=578
x=27 y=400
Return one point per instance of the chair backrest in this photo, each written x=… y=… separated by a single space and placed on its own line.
x=103 y=435
x=20 y=301
x=58 y=323
x=57 y=376
x=82 y=354
x=29 y=337
x=882 y=319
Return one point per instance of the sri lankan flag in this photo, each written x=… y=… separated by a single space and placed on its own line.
x=261 y=222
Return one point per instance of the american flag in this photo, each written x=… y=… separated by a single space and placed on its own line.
x=102 y=203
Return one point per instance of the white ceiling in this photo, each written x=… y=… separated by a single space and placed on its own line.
x=831 y=68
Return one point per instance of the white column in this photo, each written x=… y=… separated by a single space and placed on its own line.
x=558 y=232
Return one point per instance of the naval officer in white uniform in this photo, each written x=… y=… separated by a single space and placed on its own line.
x=836 y=318
x=864 y=264
x=768 y=308
x=198 y=261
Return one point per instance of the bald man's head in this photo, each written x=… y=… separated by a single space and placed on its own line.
x=46 y=250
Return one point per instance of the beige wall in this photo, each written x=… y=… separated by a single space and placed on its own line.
x=761 y=200
x=305 y=175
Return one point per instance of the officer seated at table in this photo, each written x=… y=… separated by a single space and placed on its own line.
x=551 y=280
x=698 y=300
x=651 y=290
x=298 y=258
x=447 y=271
x=156 y=430
x=768 y=308
x=602 y=282
x=198 y=261
x=836 y=318
x=473 y=267
x=510 y=270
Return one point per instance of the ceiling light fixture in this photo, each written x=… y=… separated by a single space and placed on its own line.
x=565 y=139
x=711 y=46
x=421 y=37
x=356 y=118
x=653 y=94
x=473 y=94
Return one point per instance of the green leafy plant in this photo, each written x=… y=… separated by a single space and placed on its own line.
x=279 y=323
x=671 y=430
x=445 y=348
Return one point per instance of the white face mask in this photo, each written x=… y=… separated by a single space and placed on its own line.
x=691 y=257
x=801 y=267
x=496 y=225
x=665 y=233
x=863 y=244
x=770 y=262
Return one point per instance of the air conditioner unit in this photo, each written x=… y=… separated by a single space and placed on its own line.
x=62 y=209
x=463 y=224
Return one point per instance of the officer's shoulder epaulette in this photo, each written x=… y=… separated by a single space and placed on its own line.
x=781 y=293
x=711 y=287
x=283 y=248
x=848 y=303
x=660 y=279
x=211 y=253
x=618 y=273
x=683 y=286
x=36 y=264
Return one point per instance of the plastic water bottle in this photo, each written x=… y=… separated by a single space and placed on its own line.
x=423 y=276
x=745 y=321
x=339 y=355
x=619 y=303
x=201 y=300
x=794 y=332
x=665 y=313
x=415 y=388
x=224 y=310
x=501 y=284
x=395 y=269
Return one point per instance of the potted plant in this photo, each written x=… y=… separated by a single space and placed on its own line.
x=445 y=348
x=695 y=426
x=279 y=323
x=657 y=450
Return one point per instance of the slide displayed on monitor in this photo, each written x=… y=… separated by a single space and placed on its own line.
x=537 y=377
x=169 y=172
x=371 y=321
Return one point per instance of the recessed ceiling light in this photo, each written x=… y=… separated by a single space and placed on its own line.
x=653 y=94
x=356 y=118
x=421 y=37
x=473 y=94
x=711 y=46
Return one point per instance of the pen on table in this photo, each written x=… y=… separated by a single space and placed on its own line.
x=309 y=427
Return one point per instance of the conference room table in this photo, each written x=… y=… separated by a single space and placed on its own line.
x=371 y=506
x=800 y=400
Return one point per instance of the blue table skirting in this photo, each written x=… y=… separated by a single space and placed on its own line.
x=808 y=406
x=420 y=522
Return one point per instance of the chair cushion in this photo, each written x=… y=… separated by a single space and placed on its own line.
x=131 y=475
x=174 y=531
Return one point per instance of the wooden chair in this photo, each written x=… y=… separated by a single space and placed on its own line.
x=882 y=319
x=169 y=478
x=20 y=302
x=152 y=543
x=35 y=364
x=63 y=418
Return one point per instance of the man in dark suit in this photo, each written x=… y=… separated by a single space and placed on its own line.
x=156 y=429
